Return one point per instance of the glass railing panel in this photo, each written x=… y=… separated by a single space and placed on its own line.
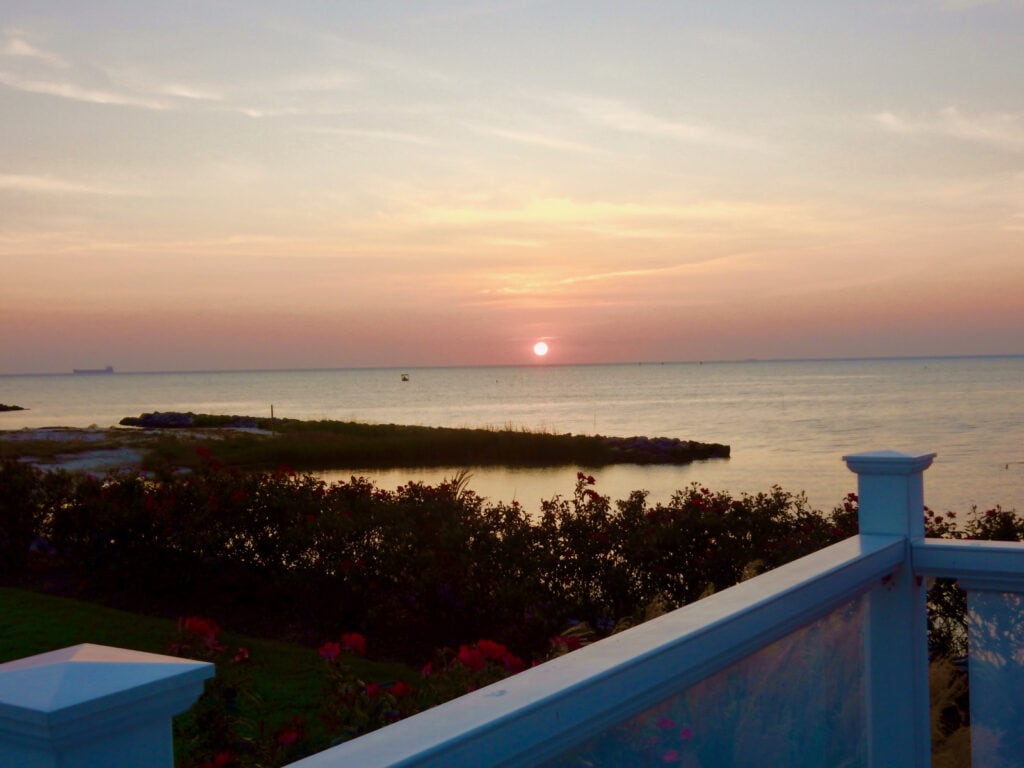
x=995 y=622
x=797 y=702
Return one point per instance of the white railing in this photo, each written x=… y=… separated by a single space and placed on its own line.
x=550 y=712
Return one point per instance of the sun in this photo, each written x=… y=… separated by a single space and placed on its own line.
x=540 y=348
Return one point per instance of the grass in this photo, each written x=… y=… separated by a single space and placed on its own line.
x=286 y=679
x=338 y=445
x=319 y=445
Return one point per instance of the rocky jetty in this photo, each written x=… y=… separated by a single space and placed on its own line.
x=663 y=450
x=10 y=408
x=178 y=420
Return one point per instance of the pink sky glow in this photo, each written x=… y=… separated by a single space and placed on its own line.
x=446 y=183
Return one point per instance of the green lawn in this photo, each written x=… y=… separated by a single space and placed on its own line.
x=286 y=679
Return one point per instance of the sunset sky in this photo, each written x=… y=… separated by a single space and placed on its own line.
x=251 y=184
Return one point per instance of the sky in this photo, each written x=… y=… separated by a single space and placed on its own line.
x=247 y=184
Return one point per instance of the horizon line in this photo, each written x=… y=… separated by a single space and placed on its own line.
x=720 y=361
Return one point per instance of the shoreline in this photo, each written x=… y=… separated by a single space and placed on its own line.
x=169 y=440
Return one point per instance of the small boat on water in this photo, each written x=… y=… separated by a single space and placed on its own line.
x=93 y=371
x=405 y=377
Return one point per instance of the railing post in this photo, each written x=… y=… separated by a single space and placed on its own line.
x=891 y=500
x=90 y=706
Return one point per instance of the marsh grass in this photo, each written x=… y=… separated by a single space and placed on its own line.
x=48 y=449
x=310 y=445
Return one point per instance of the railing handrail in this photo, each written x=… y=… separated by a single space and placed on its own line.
x=971 y=560
x=541 y=712
x=550 y=709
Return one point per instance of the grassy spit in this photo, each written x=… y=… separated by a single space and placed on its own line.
x=253 y=443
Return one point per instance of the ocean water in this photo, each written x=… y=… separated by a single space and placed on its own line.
x=788 y=422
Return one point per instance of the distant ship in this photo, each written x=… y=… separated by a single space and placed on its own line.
x=93 y=371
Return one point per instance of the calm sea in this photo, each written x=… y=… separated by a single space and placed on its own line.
x=788 y=423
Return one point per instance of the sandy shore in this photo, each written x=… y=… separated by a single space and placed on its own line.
x=104 y=459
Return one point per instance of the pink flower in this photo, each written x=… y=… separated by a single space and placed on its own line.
x=665 y=723
x=353 y=641
x=671 y=756
x=330 y=650
x=686 y=734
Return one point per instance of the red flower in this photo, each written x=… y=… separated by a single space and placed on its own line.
x=242 y=654
x=330 y=650
x=197 y=625
x=471 y=657
x=353 y=641
x=400 y=689
x=203 y=453
x=428 y=669
x=491 y=650
x=288 y=736
x=221 y=760
x=513 y=663
x=372 y=690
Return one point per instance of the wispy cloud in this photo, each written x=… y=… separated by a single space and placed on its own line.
x=68 y=90
x=961 y=5
x=998 y=130
x=627 y=119
x=536 y=139
x=50 y=185
x=541 y=285
x=375 y=134
x=14 y=44
x=614 y=217
x=191 y=92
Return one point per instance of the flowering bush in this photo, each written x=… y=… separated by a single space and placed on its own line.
x=421 y=567
x=353 y=706
x=416 y=569
x=220 y=730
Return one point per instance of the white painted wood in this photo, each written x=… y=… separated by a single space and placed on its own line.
x=891 y=501
x=91 y=706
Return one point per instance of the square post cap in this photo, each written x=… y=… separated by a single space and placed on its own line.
x=87 y=691
x=888 y=463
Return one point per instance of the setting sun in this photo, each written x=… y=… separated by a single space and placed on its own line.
x=540 y=348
